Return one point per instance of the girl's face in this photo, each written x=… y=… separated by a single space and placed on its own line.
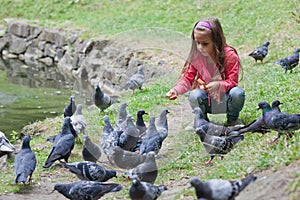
x=204 y=43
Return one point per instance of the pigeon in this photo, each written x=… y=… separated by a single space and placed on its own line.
x=275 y=105
x=260 y=52
x=162 y=123
x=208 y=127
x=130 y=136
x=137 y=80
x=217 y=145
x=108 y=139
x=5 y=146
x=70 y=108
x=127 y=159
x=101 y=99
x=290 y=62
x=86 y=190
x=90 y=151
x=78 y=120
x=140 y=124
x=62 y=145
x=282 y=123
x=256 y=126
x=144 y=190
x=25 y=162
x=121 y=122
x=218 y=189
x=146 y=171
x=89 y=171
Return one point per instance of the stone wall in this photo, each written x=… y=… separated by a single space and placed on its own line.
x=93 y=61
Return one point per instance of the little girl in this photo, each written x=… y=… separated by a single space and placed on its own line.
x=211 y=72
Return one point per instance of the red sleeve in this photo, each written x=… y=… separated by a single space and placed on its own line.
x=185 y=84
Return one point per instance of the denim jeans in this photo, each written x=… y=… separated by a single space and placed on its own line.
x=231 y=103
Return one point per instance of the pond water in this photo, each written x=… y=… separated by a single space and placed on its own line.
x=30 y=93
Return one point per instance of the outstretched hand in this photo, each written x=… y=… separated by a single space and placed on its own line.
x=172 y=94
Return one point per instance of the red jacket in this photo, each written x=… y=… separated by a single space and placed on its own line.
x=209 y=72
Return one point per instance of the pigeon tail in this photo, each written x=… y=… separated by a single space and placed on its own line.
x=246 y=181
x=235 y=139
x=21 y=178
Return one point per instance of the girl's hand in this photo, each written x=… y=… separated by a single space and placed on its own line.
x=172 y=94
x=213 y=86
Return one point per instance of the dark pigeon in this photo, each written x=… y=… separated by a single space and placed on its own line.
x=25 y=162
x=127 y=159
x=144 y=190
x=260 y=52
x=140 y=124
x=146 y=171
x=218 y=189
x=256 y=126
x=78 y=120
x=86 y=190
x=89 y=171
x=217 y=145
x=128 y=139
x=70 y=108
x=5 y=146
x=137 y=80
x=62 y=145
x=282 y=123
x=90 y=151
x=108 y=139
x=290 y=62
x=101 y=99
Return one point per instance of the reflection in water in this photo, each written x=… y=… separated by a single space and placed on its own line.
x=31 y=93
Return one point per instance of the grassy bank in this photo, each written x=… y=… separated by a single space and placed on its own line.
x=247 y=24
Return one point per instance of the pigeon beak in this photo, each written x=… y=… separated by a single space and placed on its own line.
x=7 y=147
x=257 y=108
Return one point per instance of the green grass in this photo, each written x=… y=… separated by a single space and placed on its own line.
x=246 y=24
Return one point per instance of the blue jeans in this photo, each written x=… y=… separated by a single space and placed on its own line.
x=231 y=103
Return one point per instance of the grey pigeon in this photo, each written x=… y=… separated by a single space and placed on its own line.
x=90 y=151
x=101 y=99
x=128 y=139
x=70 y=108
x=86 y=190
x=25 y=162
x=127 y=159
x=5 y=146
x=140 y=124
x=144 y=190
x=260 y=52
x=89 y=171
x=283 y=123
x=256 y=126
x=137 y=80
x=146 y=171
x=208 y=127
x=108 y=139
x=217 y=145
x=78 y=120
x=290 y=62
x=121 y=122
x=62 y=145
x=162 y=123
x=218 y=189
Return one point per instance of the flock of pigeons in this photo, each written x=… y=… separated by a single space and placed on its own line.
x=287 y=63
x=134 y=146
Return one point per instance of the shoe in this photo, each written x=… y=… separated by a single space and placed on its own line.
x=236 y=122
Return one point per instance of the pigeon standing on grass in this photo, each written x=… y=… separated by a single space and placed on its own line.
x=260 y=52
x=162 y=124
x=62 y=145
x=78 y=120
x=144 y=190
x=82 y=190
x=137 y=80
x=25 y=162
x=128 y=139
x=218 y=189
x=90 y=151
x=101 y=99
x=290 y=62
x=70 y=108
x=283 y=123
x=217 y=145
x=127 y=159
x=89 y=171
x=121 y=122
x=140 y=124
x=5 y=146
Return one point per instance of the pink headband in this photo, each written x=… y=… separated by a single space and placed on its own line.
x=204 y=24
